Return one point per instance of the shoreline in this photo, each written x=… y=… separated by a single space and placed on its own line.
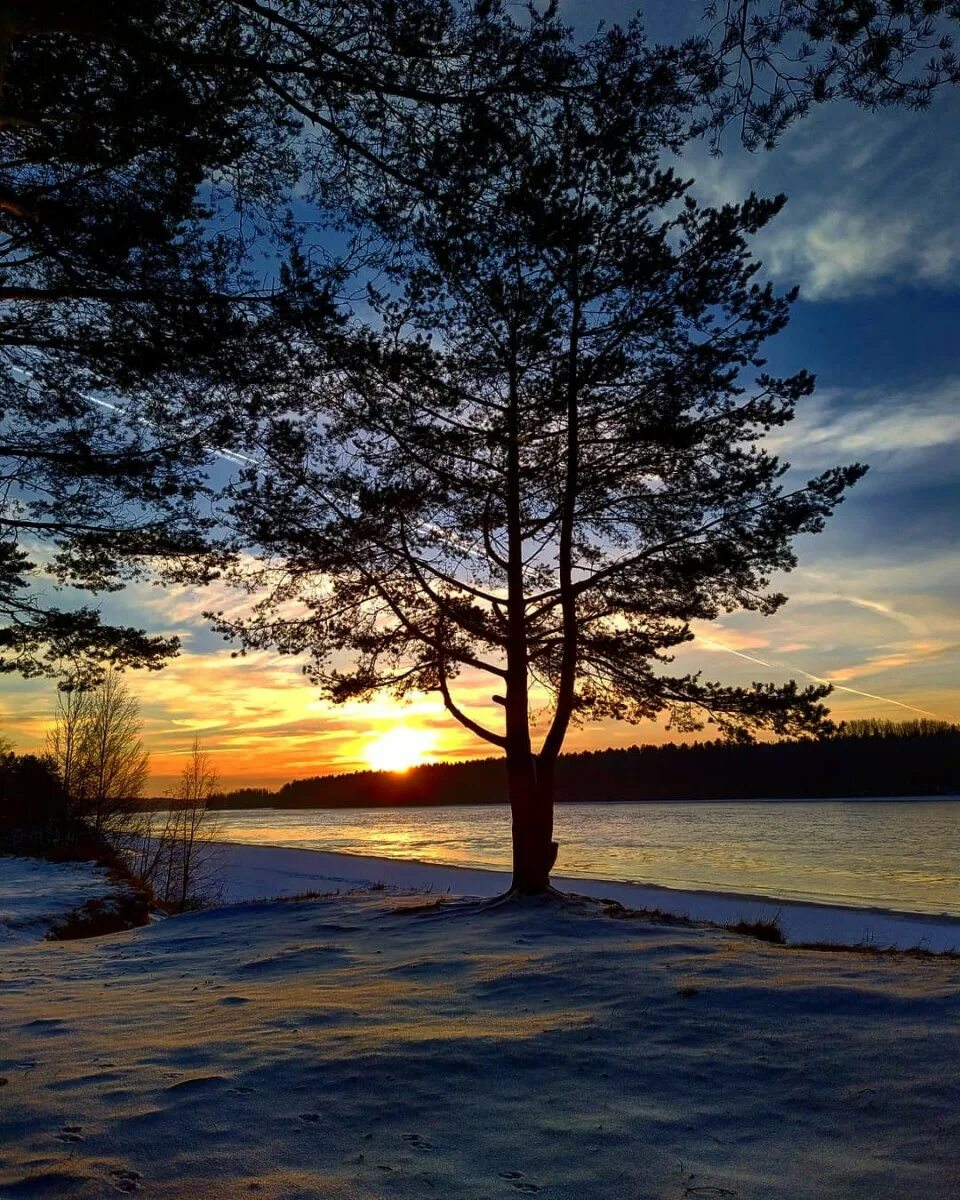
x=909 y=798
x=263 y=871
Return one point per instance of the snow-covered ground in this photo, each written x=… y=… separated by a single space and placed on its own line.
x=35 y=893
x=255 y=872
x=358 y=1047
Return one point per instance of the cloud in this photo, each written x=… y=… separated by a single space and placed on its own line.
x=857 y=222
x=913 y=624
x=910 y=431
x=846 y=251
x=716 y=635
x=268 y=723
x=894 y=658
x=863 y=241
x=878 y=622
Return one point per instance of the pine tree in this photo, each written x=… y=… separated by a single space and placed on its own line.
x=545 y=460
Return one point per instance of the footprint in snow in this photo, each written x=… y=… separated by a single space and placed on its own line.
x=418 y=1142
x=312 y=1117
x=51 y=1026
x=514 y=1178
x=125 y=1181
x=70 y=1133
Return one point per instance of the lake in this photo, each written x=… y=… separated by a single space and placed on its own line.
x=900 y=854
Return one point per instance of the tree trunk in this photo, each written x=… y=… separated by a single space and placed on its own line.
x=531 y=806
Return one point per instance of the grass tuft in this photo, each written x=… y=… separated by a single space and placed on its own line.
x=765 y=930
x=657 y=916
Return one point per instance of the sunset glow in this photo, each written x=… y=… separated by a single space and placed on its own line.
x=399 y=749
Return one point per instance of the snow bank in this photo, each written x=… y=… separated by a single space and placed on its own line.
x=357 y=1048
x=35 y=893
x=255 y=872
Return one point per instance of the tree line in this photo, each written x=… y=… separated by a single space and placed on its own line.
x=862 y=758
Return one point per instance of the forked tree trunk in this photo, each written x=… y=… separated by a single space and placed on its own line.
x=531 y=806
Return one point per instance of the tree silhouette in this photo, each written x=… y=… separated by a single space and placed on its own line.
x=95 y=742
x=174 y=851
x=151 y=148
x=543 y=461
x=115 y=303
x=767 y=64
x=34 y=807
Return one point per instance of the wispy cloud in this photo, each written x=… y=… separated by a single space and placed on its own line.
x=846 y=250
x=903 y=641
x=892 y=659
x=908 y=435
x=866 y=225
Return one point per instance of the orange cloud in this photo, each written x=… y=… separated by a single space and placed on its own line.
x=875 y=664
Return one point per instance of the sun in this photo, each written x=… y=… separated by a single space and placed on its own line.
x=399 y=749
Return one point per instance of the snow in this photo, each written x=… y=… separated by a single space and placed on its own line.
x=35 y=893
x=364 y=1046
x=256 y=872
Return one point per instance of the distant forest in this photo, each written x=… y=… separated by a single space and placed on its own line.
x=862 y=758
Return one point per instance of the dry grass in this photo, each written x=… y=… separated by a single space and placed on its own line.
x=657 y=916
x=872 y=951
x=769 y=930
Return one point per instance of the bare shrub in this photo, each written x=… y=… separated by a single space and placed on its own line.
x=176 y=851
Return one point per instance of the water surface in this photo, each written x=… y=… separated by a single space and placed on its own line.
x=900 y=854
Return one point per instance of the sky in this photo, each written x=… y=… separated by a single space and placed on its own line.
x=871 y=234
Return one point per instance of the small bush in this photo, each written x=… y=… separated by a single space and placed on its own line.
x=111 y=914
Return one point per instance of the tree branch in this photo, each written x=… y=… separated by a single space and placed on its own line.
x=467 y=722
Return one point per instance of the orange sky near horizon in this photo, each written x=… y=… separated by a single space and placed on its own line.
x=263 y=723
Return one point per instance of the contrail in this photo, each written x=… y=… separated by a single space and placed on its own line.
x=782 y=666
x=231 y=456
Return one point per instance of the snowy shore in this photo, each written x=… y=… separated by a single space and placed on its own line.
x=258 y=872
x=35 y=894
x=367 y=1048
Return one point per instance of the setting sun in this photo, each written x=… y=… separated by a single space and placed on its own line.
x=399 y=750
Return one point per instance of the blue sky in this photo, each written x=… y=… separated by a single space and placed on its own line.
x=871 y=234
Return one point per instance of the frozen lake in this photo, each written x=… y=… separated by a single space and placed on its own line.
x=899 y=854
